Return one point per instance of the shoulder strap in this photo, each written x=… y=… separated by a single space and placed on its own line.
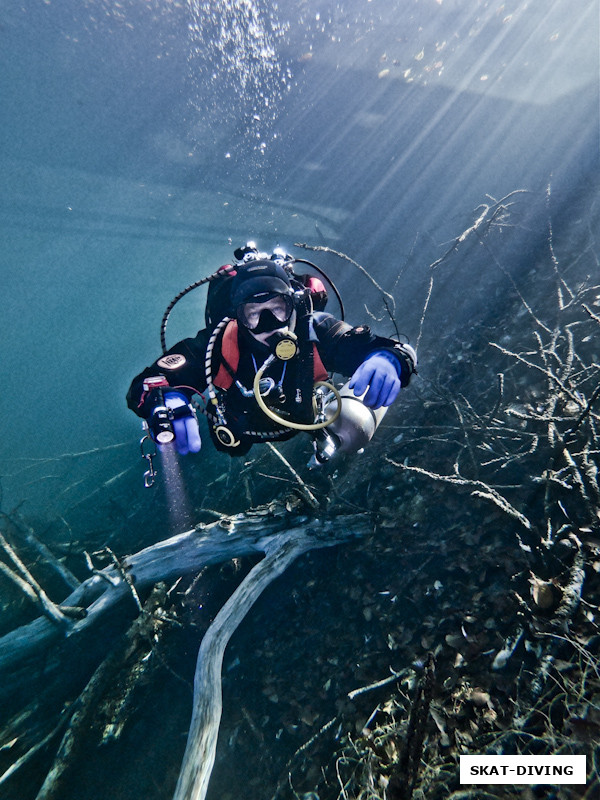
x=319 y=371
x=230 y=359
x=230 y=356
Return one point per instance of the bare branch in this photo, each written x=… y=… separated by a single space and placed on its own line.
x=236 y=537
x=50 y=609
x=547 y=372
x=306 y=492
x=590 y=313
x=388 y=299
x=200 y=752
x=480 y=489
x=44 y=551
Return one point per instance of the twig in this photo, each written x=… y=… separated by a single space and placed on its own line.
x=403 y=778
x=384 y=682
x=306 y=492
x=424 y=312
x=571 y=592
x=498 y=402
x=252 y=725
x=498 y=208
x=302 y=749
x=594 y=396
x=480 y=489
x=126 y=575
x=34 y=462
x=19 y=582
x=43 y=550
x=112 y=580
x=590 y=313
x=388 y=299
x=553 y=257
x=36 y=748
x=466 y=436
x=547 y=372
x=510 y=278
x=50 y=609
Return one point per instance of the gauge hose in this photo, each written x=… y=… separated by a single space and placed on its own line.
x=297 y=426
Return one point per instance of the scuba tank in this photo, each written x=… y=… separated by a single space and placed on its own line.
x=351 y=424
x=350 y=431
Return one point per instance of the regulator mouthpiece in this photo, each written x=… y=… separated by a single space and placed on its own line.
x=284 y=344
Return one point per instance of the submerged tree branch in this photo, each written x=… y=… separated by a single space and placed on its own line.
x=280 y=535
x=50 y=609
x=232 y=537
x=47 y=555
x=201 y=747
x=303 y=488
x=480 y=489
x=388 y=299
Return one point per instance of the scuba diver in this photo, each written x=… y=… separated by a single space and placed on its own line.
x=263 y=359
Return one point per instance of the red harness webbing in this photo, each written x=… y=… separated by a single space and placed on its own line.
x=230 y=356
x=319 y=371
x=230 y=359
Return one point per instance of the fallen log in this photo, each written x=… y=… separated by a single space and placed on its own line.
x=201 y=746
x=232 y=537
x=278 y=534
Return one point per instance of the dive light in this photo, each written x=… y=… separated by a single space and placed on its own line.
x=160 y=423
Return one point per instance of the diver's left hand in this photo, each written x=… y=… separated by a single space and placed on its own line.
x=380 y=372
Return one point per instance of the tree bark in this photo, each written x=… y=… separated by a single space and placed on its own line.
x=282 y=536
x=237 y=537
x=201 y=746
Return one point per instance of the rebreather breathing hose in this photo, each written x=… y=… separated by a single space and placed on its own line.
x=298 y=426
x=221 y=272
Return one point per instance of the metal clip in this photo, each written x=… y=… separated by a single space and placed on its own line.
x=321 y=399
x=150 y=473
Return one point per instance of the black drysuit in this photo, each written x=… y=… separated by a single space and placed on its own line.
x=340 y=347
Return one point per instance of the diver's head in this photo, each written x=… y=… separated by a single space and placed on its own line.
x=263 y=298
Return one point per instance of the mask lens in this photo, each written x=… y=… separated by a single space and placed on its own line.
x=280 y=307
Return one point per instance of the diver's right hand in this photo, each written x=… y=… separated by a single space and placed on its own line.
x=187 y=432
x=380 y=372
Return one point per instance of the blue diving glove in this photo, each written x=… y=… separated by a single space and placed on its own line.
x=380 y=371
x=187 y=432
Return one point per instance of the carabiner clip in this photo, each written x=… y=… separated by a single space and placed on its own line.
x=150 y=473
x=321 y=399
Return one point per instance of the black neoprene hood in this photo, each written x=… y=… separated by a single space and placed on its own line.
x=259 y=277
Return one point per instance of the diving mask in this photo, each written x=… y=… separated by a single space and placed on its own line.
x=268 y=314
